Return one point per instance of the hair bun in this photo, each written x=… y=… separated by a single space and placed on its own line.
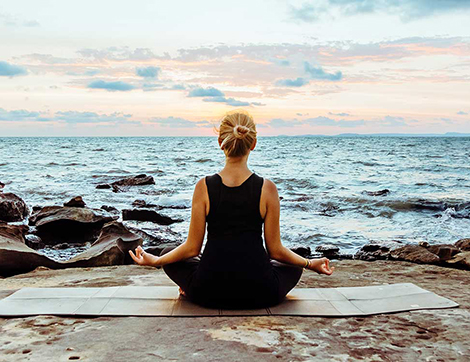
x=240 y=131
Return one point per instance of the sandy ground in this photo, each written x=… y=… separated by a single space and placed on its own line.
x=431 y=335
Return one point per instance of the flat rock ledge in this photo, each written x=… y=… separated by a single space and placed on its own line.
x=427 y=335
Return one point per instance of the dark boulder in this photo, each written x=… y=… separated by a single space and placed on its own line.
x=383 y=192
x=461 y=260
x=415 y=254
x=303 y=251
x=328 y=250
x=138 y=180
x=77 y=201
x=148 y=215
x=15 y=256
x=111 y=248
x=463 y=244
x=57 y=224
x=12 y=207
x=444 y=251
x=376 y=250
x=2 y=185
x=110 y=209
x=34 y=241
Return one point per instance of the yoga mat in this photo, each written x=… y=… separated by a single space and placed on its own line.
x=165 y=301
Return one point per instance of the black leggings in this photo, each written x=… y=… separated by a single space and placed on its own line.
x=182 y=272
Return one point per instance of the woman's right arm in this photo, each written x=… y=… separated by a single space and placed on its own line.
x=272 y=234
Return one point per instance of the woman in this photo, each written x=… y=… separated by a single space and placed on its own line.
x=234 y=271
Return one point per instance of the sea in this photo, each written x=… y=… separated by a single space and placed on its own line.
x=329 y=186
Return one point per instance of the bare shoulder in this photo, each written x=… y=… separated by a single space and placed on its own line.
x=269 y=187
x=200 y=187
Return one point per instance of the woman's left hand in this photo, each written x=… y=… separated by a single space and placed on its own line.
x=141 y=257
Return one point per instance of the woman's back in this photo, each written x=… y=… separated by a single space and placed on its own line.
x=234 y=263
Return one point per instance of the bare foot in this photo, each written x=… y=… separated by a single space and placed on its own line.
x=182 y=292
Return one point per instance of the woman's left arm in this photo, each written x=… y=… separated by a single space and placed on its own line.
x=193 y=244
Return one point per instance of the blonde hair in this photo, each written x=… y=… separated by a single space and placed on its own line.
x=237 y=131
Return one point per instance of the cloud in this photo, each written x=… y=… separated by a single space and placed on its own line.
x=208 y=92
x=462 y=113
x=320 y=74
x=299 y=82
x=10 y=20
x=176 y=122
x=11 y=70
x=111 y=86
x=229 y=101
x=339 y=114
x=406 y=9
x=92 y=117
x=148 y=72
x=389 y=121
x=21 y=115
x=317 y=121
x=71 y=117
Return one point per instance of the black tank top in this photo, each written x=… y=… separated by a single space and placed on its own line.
x=234 y=263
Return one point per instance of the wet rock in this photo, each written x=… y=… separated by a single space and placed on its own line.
x=156 y=236
x=148 y=215
x=328 y=250
x=444 y=251
x=377 y=250
x=2 y=185
x=57 y=224
x=424 y=244
x=383 y=192
x=34 y=241
x=138 y=180
x=15 y=256
x=12 y=207
x=461 y=260
x=303 y=251
x=110 y=209
x=77 y=201
x=415 y=254
x=463 y=244
x=111 y=248
x=142 y=203
x=61 y=246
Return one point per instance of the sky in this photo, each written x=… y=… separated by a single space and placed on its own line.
x=158 y=68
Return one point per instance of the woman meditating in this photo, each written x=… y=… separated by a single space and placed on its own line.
x=235 y=270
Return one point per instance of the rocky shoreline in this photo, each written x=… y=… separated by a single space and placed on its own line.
x=103 y=240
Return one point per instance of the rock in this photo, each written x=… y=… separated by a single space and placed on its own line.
x=444 y=251
x=57 y=224
x=463 y=244
x=138 y=180
x=12 y=207
x=156 y=236
x=61 y=246
x=378 y=250
x=111 y=248
x=303 y=251
x=415 y=254
x=141 y=179
x=383 y=192
x=15 y=256
x=328 y=250
x=2 y=185
x=461 y=260
x=143 y=203
x=148 y=215
x=77 y=201
x=34 y=241
x=424 y=244
x=110 y=209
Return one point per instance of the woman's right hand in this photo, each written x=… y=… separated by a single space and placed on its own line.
x=321 y=266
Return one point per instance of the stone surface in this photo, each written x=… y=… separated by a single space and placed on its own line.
x=463 y=244
x=383 y=192
x=57 y=224
x=431 y=335
x=12 y=207
x=328 y=250
x=77 y=201
x=461 y=260
x=376 y=250
x=147 y=215
x=301 y=250
x=111 y=248
x=444 y=251
x=15 y=256
x=34 y=241
x=138 y=180
x=415 y=254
